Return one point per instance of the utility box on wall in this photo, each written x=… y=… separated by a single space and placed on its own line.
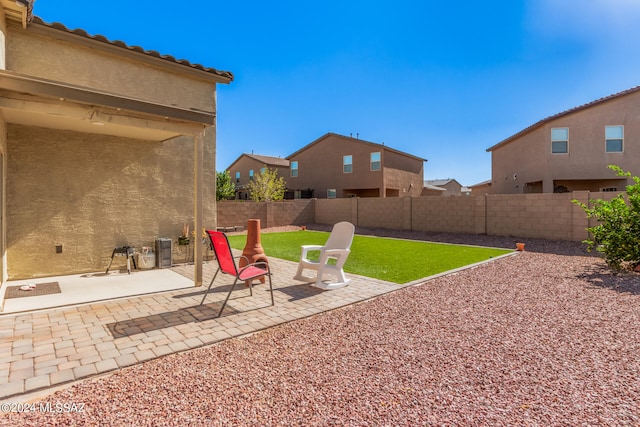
x=163 y=253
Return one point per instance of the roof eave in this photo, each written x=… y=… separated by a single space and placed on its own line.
x=26 y=84
x=62 y=32
x=382 y=146
x=562 y=114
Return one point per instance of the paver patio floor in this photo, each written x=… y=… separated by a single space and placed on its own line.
x=44 y=349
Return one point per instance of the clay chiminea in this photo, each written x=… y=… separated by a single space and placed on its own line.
x=253 y=250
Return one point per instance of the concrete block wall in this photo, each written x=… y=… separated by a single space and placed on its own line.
x=271 y=214
x=331 y=211
x=448 y=214
x=232 y=213
x=390 y=212
x=547 y=216
x=290 y=212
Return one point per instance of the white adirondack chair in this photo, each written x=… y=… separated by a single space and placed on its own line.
x=337 y=248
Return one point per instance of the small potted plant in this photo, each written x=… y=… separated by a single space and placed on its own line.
x=183 y=239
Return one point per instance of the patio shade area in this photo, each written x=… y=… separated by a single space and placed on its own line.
x=91 y=287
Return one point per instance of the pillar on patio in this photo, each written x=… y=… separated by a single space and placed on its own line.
x=197 y=206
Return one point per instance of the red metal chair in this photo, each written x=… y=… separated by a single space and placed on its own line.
x=227 y=264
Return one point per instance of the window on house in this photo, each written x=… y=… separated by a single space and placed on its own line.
x=347 y=164
x=251 y=175
x=375 y=161
x=294 y=168
x=262 y=170
x=614 y=137
x=331 y=193
x=237 y=177
x=559 y=140
x=609 y=189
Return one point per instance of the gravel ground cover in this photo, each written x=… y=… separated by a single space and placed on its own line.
x=545 y=338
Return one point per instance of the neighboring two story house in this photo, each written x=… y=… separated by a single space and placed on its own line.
x=336 y=166
x=245 y=167
x=570 y=151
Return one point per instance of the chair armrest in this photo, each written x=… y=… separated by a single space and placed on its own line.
x=306 y=248
x=250 y=264
x=262 y=265
x=339 y=255
x=334 y=252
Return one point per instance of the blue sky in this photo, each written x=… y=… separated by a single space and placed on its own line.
x=440 y=80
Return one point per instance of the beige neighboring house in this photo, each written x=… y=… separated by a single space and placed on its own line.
x=101 y=145
x=246 y=166
x=336 y=166
x=450 y=186
x=481 y=188
x=432 y=190
x=570 y=151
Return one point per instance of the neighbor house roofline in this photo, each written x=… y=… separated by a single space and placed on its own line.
x=439 y=182
x=433 y=187
x=380 y=146
x=564 y=113
x=38 y=25
x=487 y=182
x=266 y=160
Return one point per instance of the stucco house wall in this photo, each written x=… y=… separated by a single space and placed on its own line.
x=64 y=57
x=402 y=175
x=320 y=167
x=525 y=163
x=127 y=158
x=103 y=192
x=246 y=163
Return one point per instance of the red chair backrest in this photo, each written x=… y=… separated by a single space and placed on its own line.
x=222 y=249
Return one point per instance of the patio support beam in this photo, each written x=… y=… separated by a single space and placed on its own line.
x=61 y=113
x=15 y=82
x=197 y=206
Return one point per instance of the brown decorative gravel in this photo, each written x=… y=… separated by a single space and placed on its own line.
x=545 y=338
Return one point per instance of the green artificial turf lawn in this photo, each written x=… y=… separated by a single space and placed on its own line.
x=392 y=260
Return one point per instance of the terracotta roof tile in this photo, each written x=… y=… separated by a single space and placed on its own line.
x=100 y=38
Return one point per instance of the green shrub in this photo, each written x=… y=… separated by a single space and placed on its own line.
x=225 y=189
x=617 y=234
x=267 y=186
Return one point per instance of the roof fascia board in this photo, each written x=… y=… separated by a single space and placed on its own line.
x=67 y=110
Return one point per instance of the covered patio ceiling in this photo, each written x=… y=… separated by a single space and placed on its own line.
x=38 y=102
